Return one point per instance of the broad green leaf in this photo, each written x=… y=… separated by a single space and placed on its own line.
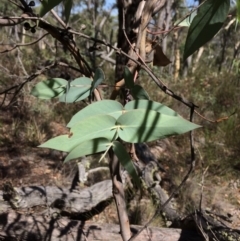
x=75 y=95
x=140 y=125
x=150 y=105
x=98 y=78
x=238 y=10
x=109 y=107
x=206 y=24
x=48 y=89
x=87 y=148
x=128 y=77
x=139 y=93
x=60 y=143
x=126 y=161
x=67 y=8
x=79 y=90
x=90 y=128
x=47 y=5
x=94 y=127
x=187 y=21
x=81 y=82
x=136 y=90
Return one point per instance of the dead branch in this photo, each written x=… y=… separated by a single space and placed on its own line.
x=26 y=44
x=55 y=199
x=6 y=21
x=14 y=226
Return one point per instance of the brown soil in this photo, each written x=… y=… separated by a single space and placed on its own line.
x=24 y=164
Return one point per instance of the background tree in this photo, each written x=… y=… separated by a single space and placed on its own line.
x=78 y=50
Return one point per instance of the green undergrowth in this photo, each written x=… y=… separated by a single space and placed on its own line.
x=217 y=143
x=217 y=97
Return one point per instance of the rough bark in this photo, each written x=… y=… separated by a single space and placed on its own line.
x=56 y=199
x=151 y=175
x=15 y=226
x=119 y=196
x=56 y=202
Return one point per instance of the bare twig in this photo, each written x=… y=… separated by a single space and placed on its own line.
x=18 y=87
x=107 y=57
x=58 y=18
x=161 y=85
x=26 y=44
x=5 y=21
x=68 y=66
x=192 y=140
x=202 y=186
x=21 y=63
x=184 y=17
x=39 y=72
x=11 y=1
x=83 y=64
x=14 y=19
x=55 y=15
x=56 y=34
x=119 y=196
x=200 y=227
x=215 y=121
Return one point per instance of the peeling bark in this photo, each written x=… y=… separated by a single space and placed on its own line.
x=60 y=200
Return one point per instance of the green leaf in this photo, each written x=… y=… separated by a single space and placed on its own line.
x=48 y=5
x=90 y=128
x=79 y=90
x=48 y=89
x=60 y=143
x=139 y=93
x=187 y=21
x=150 y=105
x=136 y=90
x=98 y=78
x=140 y=125
x=238 y=10
x=206 y=24
x=109 y=107
x=67 y=8
x=126 y=161
x=128 y=77
x=88 y=147
x=94 y=127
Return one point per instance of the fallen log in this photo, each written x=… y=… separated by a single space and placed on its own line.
x=61 y=200
x=57 y=202
x=15 y=226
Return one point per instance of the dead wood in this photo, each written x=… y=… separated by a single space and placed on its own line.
x=56 y=199
x=14 y=226
x=50 y=203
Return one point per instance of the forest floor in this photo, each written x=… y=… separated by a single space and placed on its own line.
x=24 y=164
